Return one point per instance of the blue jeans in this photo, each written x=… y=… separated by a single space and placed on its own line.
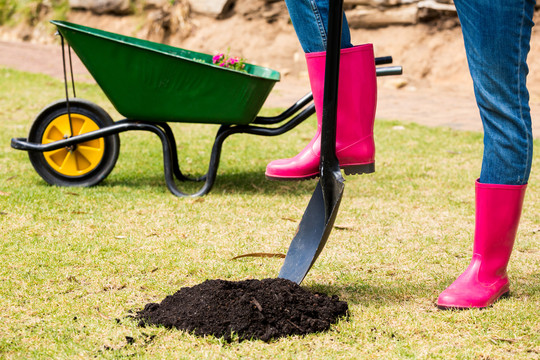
x=497 y=37
x=310 y=21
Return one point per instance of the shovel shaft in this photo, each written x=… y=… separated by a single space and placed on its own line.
x=331 y=81
x=329 y=165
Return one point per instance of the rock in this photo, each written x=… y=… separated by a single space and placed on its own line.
x=399 y=83
x=430 y=9
x=269 y=10
x=102 y=6
x=377 y=3
x=365 y=17
x=156 y=4
x=166 y=20
x=214 y=8
x=436 y=5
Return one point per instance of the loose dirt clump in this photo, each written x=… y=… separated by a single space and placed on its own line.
x=250 y=309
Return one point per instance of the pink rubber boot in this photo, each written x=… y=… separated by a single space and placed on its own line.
x=498 y=209
x=357 y=101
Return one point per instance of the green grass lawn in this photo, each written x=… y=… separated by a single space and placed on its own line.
x=78 y=261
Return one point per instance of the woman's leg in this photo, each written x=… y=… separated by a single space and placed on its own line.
x=310 y=21
x=355 y=148
x=497 y=36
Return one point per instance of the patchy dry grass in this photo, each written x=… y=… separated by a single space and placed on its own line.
x=78 y=261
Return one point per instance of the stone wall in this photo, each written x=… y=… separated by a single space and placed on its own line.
x=381 y=13
x=360 y=13
x=102 y=6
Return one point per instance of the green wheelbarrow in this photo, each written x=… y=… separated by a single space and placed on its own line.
x=74 y=142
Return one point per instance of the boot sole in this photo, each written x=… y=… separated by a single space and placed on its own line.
x=348 y=169
x=503 y=295
x=358 y=169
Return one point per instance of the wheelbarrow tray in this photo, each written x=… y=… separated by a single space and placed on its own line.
x=150 y=81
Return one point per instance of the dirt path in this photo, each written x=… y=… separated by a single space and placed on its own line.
x=448 y=105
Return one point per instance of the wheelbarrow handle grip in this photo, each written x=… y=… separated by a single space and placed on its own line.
x=383 y=60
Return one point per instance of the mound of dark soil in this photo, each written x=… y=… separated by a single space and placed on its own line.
x=251 y=309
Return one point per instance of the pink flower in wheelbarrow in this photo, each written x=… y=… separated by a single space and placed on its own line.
x=233 y=63
x=218 y=58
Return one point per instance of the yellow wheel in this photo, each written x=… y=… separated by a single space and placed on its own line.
x=81 y=158
x=83 y=164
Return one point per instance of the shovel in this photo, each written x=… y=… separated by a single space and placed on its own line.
x=318 y=219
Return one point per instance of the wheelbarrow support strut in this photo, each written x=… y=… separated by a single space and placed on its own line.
x=170 y=155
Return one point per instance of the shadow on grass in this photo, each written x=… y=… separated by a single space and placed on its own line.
x=252 y=182
x=362 y=293
x=401 y=292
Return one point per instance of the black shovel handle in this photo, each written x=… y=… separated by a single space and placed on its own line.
x=329 y=165
x=329 y=160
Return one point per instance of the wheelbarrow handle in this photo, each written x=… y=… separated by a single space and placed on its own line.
x=389 y=70
x=383 y=60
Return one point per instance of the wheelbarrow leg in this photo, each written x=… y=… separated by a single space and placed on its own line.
x=174 y=155
x=170 y=162
x=170 y=159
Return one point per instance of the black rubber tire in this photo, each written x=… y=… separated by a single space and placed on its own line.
x=99 y=117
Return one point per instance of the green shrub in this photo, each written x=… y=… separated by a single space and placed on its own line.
x=7 y=9
x=32 y=11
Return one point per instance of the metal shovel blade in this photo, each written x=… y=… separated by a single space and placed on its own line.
x=318 y=219
x=313 y=231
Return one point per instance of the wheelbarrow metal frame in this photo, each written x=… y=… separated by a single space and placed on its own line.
x=296 y=114
x=166 y=135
